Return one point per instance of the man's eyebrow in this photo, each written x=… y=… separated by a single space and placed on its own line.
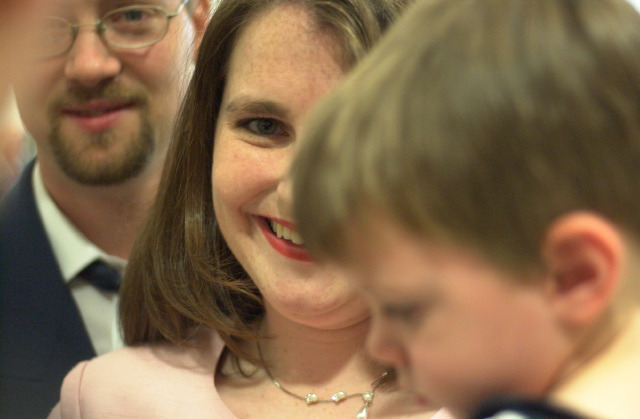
x=105 y=6
x=120 y=3
x=243 y=104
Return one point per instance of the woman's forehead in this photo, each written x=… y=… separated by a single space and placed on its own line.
x=281 y=57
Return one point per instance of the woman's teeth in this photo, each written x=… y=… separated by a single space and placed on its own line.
x=284 y=233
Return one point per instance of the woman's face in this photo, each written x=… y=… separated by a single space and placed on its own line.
x=281 y=65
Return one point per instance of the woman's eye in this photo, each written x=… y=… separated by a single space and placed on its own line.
x=263 y=126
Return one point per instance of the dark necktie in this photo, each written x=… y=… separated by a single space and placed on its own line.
x=100 y=275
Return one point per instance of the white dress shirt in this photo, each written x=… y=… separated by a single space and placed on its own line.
x=73 y=251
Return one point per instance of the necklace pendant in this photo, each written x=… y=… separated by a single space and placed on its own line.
x=339 y=396
x=311 y=398
x=367 y=397
x=363 y=414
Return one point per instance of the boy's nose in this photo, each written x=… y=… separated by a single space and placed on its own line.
x=382 y=346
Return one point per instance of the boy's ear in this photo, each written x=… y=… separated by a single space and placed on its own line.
x=584 y=254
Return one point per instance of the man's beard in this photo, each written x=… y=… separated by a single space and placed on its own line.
x=113 y=168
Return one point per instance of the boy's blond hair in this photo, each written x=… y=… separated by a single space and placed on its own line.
x=480 y=122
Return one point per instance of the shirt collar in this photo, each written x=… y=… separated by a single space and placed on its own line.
x=72 y=249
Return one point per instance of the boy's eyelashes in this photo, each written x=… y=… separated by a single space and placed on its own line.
x=410 y=312
x=405 y=313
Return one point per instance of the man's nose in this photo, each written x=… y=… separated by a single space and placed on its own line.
x=89 y=61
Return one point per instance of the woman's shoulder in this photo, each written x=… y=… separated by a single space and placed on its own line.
x=146 y=381
x=192 y=357
x=141 y=362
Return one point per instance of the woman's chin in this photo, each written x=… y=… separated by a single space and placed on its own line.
x=324 y=314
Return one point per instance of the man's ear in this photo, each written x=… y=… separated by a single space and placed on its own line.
x=584 y=254
x=200 y=16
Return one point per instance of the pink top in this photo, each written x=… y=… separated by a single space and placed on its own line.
x=150 y=382
x=161 y=381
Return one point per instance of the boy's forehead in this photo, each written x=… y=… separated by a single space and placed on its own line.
x=386 y=257
x=383 y=254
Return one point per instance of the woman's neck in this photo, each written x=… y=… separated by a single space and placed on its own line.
x=295 y=351
x=324 y=361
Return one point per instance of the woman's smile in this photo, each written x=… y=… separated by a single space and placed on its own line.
x=283 y=239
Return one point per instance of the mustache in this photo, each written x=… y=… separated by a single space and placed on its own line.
x=75 y=95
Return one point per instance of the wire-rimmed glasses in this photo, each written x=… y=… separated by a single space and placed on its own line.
x=130 y=27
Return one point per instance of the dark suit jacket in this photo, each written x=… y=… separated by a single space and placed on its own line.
x=42 y=334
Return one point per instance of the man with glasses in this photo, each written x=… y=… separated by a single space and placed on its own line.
x=99 y=89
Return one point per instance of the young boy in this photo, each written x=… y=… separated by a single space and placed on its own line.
x=478 y=175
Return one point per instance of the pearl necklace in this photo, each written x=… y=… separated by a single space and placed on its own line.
x=338 y=396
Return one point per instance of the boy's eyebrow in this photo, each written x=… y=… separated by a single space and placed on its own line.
x=255 y=106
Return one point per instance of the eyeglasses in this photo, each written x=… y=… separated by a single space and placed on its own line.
x=128 y=27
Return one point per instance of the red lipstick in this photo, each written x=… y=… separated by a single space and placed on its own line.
x=282 y=246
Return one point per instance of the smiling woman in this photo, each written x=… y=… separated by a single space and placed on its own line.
x=222 y=307
x=271 y=85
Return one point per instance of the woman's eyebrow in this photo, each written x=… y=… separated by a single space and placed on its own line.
x=243 y=104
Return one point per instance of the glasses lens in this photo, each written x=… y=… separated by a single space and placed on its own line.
x=135 y=26
x=50 y=37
